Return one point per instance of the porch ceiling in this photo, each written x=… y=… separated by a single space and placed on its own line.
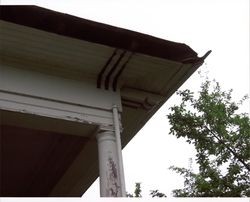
x=35 y=160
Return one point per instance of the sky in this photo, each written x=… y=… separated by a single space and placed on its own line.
x=218 y=25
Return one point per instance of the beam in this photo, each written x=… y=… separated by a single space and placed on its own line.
x=31 y=92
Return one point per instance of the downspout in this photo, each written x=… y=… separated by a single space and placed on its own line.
x=119 y=149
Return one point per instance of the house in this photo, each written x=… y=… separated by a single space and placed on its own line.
x=73 y=92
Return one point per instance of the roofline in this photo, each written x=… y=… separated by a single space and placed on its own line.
x=75 y=27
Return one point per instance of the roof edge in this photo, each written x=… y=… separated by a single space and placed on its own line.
x=75 y=27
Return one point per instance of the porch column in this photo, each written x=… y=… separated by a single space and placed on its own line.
x=110 y=183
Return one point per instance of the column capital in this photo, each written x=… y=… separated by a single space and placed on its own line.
x=105 y=135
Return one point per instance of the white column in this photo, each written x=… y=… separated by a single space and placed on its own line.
x=110 y=184
x=119 y=149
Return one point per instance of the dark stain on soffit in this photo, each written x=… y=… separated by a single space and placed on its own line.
x=75 y=27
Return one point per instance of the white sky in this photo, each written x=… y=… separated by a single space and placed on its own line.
x=219 y=25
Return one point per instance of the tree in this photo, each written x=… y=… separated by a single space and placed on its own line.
x=221 y=137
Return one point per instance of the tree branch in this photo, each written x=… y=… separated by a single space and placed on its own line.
x=229 y=149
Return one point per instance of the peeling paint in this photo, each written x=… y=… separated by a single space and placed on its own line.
x=113 y=189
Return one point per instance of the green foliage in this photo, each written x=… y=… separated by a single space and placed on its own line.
x=221 y=137
x=137 y=192
x=156 y=193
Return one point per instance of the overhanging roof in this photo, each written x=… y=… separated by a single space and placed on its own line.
x=146 y=70
x=75 y=27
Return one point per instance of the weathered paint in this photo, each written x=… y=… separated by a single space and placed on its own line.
x=110 y=184
x=112 y=187
x=45 y=95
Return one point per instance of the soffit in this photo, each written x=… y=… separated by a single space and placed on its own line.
x=72 y=58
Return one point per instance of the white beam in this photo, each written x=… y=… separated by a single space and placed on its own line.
x=45 y=95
